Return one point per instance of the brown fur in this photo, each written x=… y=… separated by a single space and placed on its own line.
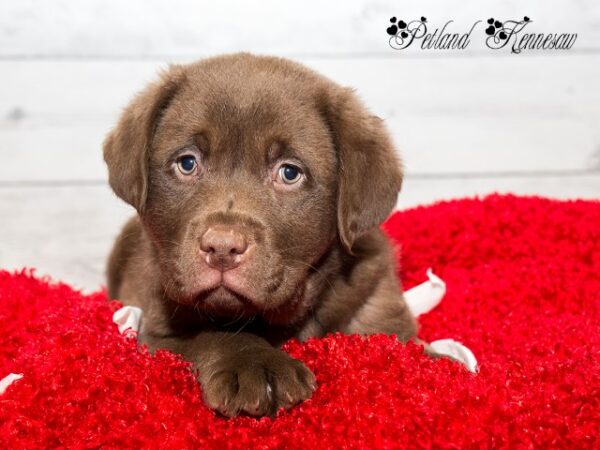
x=312 y=258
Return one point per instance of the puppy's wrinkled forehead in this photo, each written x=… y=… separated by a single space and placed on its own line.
x=245 y=116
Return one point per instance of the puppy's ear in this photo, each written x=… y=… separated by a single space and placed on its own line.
x=127 y=146
x=369 y=169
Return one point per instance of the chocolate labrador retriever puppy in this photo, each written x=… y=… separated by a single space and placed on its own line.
x=260 y=186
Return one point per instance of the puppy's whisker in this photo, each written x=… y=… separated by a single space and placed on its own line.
x=244 y=325
x=235 y=320
x=175 y=311
x=324 y=276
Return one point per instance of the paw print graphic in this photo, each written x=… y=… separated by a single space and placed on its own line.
x=400 y=26
x=495 y=25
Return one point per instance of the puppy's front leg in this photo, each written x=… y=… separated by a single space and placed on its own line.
x=241 y=373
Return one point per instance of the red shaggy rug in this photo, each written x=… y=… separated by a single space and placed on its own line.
x=523 y=277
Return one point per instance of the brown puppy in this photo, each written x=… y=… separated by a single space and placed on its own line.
x=260 y=186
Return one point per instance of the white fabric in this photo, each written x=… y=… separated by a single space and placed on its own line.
x=128 y=319
x=458 y=351
x=422 y=299
x=426 y=296
x=8 y=380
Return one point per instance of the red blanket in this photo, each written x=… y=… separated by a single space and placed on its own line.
x=523 y=278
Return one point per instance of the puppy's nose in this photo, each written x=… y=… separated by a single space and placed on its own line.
x=223 y=247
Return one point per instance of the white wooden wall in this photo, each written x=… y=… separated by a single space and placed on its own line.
x=467 y=123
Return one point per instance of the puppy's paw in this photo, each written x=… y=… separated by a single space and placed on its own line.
x=257 y=383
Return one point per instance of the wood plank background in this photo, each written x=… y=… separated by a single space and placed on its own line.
x=466 y=122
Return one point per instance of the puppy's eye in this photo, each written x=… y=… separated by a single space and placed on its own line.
x=289 y=174
x=187 y=164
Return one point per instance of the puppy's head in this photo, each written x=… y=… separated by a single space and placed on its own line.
x=246 y=171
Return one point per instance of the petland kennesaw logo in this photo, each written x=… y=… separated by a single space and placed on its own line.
x=497 y=35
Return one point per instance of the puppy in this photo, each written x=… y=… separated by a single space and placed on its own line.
x=260 y=186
